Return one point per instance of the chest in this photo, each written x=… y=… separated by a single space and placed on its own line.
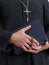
x=13 y=11
x=14 y=7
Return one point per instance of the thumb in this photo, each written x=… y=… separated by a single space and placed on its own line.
x=27 y=28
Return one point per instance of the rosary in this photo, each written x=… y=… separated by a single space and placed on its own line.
x=26 y=7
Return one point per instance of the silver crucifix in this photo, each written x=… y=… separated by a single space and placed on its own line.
x=27 y=14
x=26 y=7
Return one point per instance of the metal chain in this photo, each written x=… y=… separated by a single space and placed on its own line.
x=26 y=6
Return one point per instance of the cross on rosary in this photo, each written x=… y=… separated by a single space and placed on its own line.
x=27 y=14
x=26 y=7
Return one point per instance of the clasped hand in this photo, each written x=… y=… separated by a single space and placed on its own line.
x=22 y=40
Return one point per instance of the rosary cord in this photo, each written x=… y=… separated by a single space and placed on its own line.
x=26 y=6
x=22 y=3
x=27 y=3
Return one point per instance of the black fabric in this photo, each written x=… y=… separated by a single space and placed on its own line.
x=12 y=17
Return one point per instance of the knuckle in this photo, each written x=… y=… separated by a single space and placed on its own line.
x=22 y=29
x=37 y=52
x=26 y=50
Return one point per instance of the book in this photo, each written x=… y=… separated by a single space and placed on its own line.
x=36 y=31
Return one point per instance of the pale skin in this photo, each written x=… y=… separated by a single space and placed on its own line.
x=22 y=40
x=40 y=48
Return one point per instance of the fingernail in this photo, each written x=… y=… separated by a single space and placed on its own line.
x=29 y=25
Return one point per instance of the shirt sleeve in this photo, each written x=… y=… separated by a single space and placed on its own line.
x=4 y=39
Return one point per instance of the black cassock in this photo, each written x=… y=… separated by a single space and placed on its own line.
x=12 y=17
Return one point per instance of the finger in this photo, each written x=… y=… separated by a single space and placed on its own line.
x=29 y=37
x=27 y=28
x=33 y=51
x=46 y=46
x=24 y=48
x=35 y=41
x=32 y=40
x=34 y=44
x=27 y=46
x=46 y=42
x=36 y=48
x=28 y=42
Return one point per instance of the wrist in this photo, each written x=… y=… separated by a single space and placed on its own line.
x=12 y=38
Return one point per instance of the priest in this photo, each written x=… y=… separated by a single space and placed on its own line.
x=16 y=46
